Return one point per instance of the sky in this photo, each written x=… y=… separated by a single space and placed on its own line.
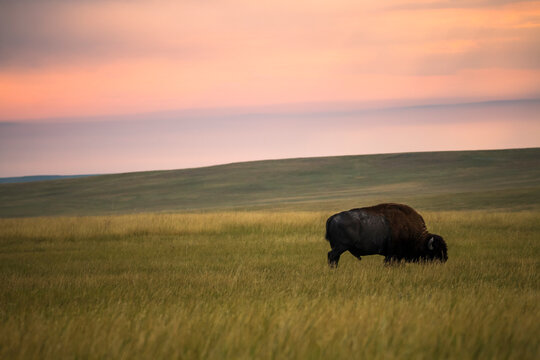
x=101 y=86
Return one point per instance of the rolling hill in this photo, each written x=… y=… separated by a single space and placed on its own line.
x=21 y=179
x=494 y=179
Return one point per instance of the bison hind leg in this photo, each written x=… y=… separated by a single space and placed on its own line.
x=333 y=259
x=334 y=254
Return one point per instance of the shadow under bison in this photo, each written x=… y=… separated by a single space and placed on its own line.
x=395 y=231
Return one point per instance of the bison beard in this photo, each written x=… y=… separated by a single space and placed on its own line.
x=395 y=231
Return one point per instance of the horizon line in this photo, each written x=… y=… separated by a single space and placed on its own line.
x=71 y=176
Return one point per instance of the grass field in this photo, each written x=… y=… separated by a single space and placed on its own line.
x=255 y=285
x=230 y=262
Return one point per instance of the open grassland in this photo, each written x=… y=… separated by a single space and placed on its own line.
x=256 y=285
x=460 y=180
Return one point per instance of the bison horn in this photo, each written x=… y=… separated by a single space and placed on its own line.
x=430 y=243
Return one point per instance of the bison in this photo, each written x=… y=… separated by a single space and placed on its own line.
x=395 y=231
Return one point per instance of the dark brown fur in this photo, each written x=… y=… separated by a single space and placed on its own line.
x=408 y=240
x=408 y=229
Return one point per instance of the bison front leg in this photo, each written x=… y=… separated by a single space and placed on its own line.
x=391 y=260
x=333 y=256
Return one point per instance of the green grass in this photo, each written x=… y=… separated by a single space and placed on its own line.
x=230 y=262
x=463 y=180
x=255 y=285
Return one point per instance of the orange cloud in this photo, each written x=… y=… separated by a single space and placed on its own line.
x=108 y=57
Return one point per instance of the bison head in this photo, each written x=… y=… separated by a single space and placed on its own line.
x=436 y=248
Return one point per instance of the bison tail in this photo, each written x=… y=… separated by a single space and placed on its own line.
x=328 y=225
x=327 y=235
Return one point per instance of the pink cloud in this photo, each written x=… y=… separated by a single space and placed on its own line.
x=111 y=57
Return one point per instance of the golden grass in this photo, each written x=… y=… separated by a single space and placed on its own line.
x=248 y=285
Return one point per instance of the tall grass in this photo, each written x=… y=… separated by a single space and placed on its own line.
x=256 y=285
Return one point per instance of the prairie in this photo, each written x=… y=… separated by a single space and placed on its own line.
x=458 y=180
x=255 y=284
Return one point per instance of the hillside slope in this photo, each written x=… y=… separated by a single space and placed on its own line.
x=21 y=179
x=497 y=179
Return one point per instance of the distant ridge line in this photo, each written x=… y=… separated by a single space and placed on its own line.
x=34 y=178
x=506 y=180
